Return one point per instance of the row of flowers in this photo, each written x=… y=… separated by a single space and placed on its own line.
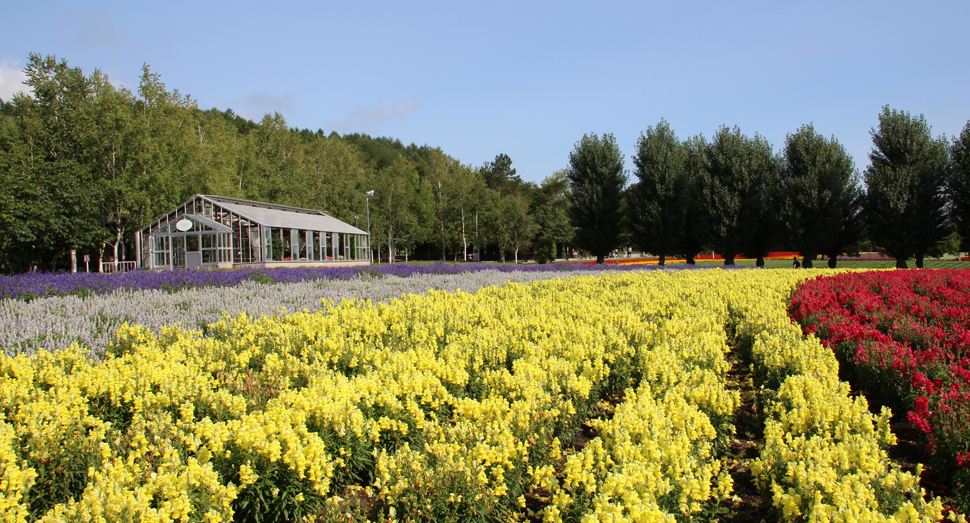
x=824 y=456
x=32 y=285
x=433 y=407
x=907 y=335
x=57 y=322
x=448 y=407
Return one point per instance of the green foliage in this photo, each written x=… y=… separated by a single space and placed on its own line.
x=545 y=250
x=822 y=198
x=656 y=202
x=904 y=203
x=958 y=180
x=550 y=209
x=743 y=194
x=515 y=224
x=596 y=180
x=500 y=176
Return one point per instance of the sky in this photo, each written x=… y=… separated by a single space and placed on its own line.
x=525 y=78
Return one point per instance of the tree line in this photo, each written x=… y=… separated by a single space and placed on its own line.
x=732 y=194
x=85 y=164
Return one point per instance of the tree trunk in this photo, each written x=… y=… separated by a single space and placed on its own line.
x=390 y=243
x=833 y=260
x=919 y=261
x=901 y=263
x=807 y=261
x=690 y=260
x=759 y=261
x=662 y=259
x=600 y=260
x=464 y=239
x=73 y=260
x=728 y=259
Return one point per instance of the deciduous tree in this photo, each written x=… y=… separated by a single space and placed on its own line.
x=596 y=181
x=743 y=173
x=958 y=181
x=822 y=197
x=550 y=205
x=904 y=204
x=656 y=210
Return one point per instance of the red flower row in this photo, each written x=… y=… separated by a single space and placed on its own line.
x=906 y=331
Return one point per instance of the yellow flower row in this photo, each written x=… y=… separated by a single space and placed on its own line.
x=653 y=460
x=823 y=458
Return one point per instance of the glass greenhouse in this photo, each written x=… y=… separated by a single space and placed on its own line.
x=217 y=231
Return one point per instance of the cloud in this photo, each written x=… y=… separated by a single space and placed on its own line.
x=265 y=101
x=370 y=118
x=11 y=79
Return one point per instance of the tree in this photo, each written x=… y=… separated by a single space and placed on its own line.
x=274 y=155
x=516 y=226
x=48 y=205
x=822 y=196
x=550 y=204
x=138 y=153
x=958 y=181
x=330 y=175
x=596 y=181
x=395 y=199
x=464 y=207
x=656 y=212
x=500 y=176
x=904 y=204
x=743 y=174
x=696 y=198
x=439 y=177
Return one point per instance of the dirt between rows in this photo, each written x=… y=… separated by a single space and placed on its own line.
x=748 y=504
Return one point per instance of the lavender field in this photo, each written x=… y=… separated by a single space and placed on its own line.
x=194 y=299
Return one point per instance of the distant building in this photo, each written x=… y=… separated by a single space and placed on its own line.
x=221 y=232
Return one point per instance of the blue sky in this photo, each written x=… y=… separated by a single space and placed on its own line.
x=527 y=79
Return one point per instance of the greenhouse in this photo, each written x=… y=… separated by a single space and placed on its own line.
x=221 y=232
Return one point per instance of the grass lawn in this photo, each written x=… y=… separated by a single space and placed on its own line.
x=847 y=264
x=770 y=264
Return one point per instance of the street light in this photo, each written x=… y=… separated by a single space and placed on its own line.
x=370 y=251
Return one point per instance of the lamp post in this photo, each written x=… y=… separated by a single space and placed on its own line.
x=370 y=251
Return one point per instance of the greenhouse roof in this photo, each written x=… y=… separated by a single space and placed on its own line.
x=283 y=216
x=197 y=218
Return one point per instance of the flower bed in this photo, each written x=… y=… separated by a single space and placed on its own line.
x=57 y=322
x=33 y=285
x=447 y=407
x=907 y=335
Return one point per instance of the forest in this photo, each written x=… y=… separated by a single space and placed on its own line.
x=85 y=164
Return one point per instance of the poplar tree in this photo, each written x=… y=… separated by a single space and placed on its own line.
x=904 y=204
x=958 y=182
x=656 y=210
x=743 y=177
x=596 y=181
x=822 y=197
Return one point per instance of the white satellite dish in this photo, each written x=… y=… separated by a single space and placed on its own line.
x=183 y=225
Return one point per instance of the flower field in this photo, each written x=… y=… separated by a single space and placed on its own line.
x=33 y=285
x=453 y=406
x=57 y=322
x=907 y=334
